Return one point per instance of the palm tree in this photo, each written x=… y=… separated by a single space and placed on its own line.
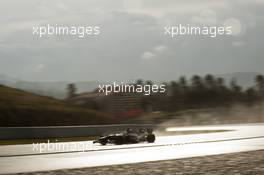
x=71 y=88
x=183 y=81
x=196 y=81
x=139 y=82
x=174 y=86
x=250 y=91
x=149 y=82
x=260 y=83
x=183 y=84
x=209 y=81
x=234 y=86
x=220 y=82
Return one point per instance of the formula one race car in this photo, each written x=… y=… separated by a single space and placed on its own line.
x=128 y=136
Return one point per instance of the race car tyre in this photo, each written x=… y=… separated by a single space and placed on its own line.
x=151 y=138
x=119 y=141
x=103 y=142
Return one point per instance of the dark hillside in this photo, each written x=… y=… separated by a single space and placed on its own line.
x=19 y=108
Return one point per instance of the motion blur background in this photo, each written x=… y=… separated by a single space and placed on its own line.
x=208 y=80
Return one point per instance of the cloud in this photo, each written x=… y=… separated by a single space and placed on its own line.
x=39 y=67
x=160 y=49
x=154 y=53
x=148 y=55
x=128 y=37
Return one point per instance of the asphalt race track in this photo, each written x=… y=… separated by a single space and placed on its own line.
x=29 y=158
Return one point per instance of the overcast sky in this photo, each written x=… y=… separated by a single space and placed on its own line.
x=132 y=43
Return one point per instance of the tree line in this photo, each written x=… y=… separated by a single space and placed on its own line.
x=197 y=92
x=207 y=91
